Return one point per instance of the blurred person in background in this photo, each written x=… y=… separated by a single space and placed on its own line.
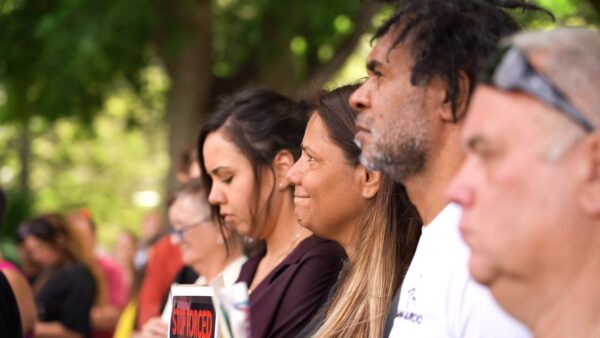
x=152 y=230
x=124 y=254
x=337 y=198
x=71 y=281
x=204 y=248
x=245 y=151
x=17 y=306
x=105 y=316
x=158 y=275
x=30 y=268
x=186 y=165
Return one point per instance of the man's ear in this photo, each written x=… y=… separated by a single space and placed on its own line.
x=370 y=182
x=282 y=163
x=442 y=97
x=590 y=198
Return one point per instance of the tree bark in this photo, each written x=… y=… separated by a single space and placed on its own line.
x=596 y=5
x=189 y=69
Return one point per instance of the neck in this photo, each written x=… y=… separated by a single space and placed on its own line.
x=426 y=189
x=215 y=264
x=348 y=240
x=287 y=231
x=571 y=311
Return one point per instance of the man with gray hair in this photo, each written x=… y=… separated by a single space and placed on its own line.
x=530 y=184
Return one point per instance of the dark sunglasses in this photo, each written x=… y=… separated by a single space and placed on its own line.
x=510 y=70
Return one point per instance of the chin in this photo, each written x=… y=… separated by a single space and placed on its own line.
x=481 y=271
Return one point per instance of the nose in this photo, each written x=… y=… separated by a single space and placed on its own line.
x=216 y=196
x=460 y=190
x=359 y=100
x=293 y=175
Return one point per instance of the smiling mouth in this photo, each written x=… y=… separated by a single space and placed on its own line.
x=301 y=196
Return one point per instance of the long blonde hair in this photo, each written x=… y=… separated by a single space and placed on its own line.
x=384 y=243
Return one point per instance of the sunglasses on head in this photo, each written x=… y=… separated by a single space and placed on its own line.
x=510 y=70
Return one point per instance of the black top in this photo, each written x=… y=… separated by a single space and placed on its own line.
x=290 y=295
x=186 y=275
x=10 y=321
x=67 y=297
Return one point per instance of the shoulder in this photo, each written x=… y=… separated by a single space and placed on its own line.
x=317 y=247
x=76 y=271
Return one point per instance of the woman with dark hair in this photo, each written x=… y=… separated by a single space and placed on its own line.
x=70 y=283
x=336 y=197
x=245 y=151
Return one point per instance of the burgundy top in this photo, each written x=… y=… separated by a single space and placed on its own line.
x=290 y=295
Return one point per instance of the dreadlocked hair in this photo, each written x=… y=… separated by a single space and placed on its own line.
x=448 y=37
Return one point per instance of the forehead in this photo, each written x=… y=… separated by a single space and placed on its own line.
x=398 y=56
x=188 y=206
x=315 y=129
x=497 y=114
x=218 y=150
x=316 y=136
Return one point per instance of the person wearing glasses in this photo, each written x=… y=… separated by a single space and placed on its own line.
x=530 y=185
x=203 y=248
x=422 y=72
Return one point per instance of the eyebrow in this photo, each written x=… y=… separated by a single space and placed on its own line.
x=474 y=143
x=218 y=169
x=307 y=148
x=373 y=65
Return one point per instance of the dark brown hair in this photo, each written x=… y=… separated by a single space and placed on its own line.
x=261 y=123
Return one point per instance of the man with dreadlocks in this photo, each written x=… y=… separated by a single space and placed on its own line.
x=422 y=72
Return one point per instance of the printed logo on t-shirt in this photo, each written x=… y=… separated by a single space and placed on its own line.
x=411 y=304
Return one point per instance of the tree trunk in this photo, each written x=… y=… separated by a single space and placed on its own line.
x=596 y=5
x=189 y=69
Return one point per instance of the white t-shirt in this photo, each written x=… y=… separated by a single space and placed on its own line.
x=439 y=298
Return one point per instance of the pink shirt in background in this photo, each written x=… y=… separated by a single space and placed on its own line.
x=116 y=284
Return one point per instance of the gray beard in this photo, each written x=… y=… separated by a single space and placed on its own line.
x=399 y=161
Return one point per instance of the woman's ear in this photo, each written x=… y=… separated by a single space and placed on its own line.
x=282 y=163
x=370 y=182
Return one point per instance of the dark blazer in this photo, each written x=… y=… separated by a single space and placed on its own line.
x=290 y=295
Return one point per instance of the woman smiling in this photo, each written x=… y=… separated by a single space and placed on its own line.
x=336 y=197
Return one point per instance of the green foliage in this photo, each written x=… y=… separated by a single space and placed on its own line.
x=100 y=167
x=257 y=32
x=60 y=57
x=87 y=78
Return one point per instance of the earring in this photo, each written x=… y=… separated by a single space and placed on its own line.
x=220 y=240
